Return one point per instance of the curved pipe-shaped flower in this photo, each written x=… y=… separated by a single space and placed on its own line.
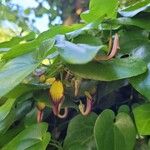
x=57 y=95
x=40 y=107
x=85 y=110
x=39 y=116
x=64 y=115
x=56 y=107
x=113 y=51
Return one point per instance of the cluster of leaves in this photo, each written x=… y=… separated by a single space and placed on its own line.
x=71 y=52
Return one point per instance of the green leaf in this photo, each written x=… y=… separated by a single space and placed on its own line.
x=24 y=48
x=138 y=46
x=142 y=83
x=20 y=90
x=10 y=134
x=22 y=109
x=110 y=70
x=41 y=145
x=98 y=10
x=142 y=118
x=15 y=40
x=76 y=53
x=80 y=133
x=139 y=22
x=31 y=117
x=13 y=72
x=5 y=108
x=7 y=122
x=20 y=49
x=55 y=30
x=124 y=108
x=132 y=40
x=126 y=126
x=119 y=134
x=134 y=9
x=44 y=49
x=7 y=115
x=33 y=137
x=87 y=39
x=103 y=129
x=85 y=29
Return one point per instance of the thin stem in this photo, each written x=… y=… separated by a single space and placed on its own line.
x=57 y=146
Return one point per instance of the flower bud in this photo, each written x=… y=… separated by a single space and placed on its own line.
x=46 y=62
x=42 y=78
x=40 y=105
x=50 y=80
x=85 y=110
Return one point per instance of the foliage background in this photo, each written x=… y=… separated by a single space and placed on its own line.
x=115 y=115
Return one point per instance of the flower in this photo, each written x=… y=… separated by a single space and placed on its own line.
x=40 y=109
x=56 y=91
x=57 y=95
x=41 y=105
x=85 y=110
x=42 y=78
x=46 y=62
x=50 y=80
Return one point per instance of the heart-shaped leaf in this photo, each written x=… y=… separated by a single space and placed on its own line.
x=139 y=22
x=99 y=10
x=142 y=118
x=110 y=70
x=80 y=133
x=114 y=135
x=76 y=53
x=139 y=48
x=33 y=137
x=7 y=115
x=134 y=9
x=13 y=72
